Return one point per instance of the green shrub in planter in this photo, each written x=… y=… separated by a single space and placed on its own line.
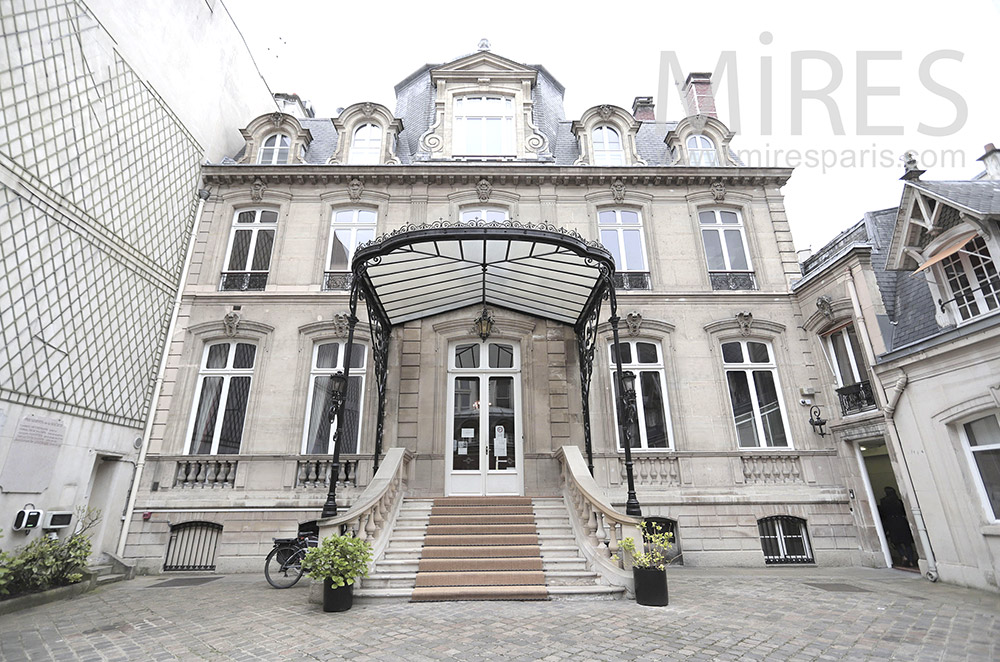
x=341 y=559
x=45 y=562
x=649 y=563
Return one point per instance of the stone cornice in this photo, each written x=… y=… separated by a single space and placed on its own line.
x=499 y=173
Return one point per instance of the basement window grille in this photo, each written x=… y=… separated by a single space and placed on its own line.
x=192 y=546
x=784 y=539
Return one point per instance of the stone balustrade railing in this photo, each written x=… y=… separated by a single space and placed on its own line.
x=205 y=472
x=373 y=514
x=772 y=469
x=597 y=526
x=315 y=472
x=654 y=471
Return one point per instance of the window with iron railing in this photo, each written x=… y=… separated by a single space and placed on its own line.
x=349 y=229
x=622 y=234
x=854 y=389
x=248 y=258
x=726 y=251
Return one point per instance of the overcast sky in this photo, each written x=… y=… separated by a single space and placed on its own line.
x=846 y=148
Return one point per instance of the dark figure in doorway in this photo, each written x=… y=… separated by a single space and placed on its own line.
x=896 y=527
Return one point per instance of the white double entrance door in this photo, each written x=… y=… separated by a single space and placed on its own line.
x=484 y=451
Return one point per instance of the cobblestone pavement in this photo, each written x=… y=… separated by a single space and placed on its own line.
x=718 y=614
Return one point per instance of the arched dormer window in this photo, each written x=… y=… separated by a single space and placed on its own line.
x=366 y=146
x=607 y=147
x=274 y=150
x=701 y=151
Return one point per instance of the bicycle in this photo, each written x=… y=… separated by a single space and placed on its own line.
x=283 y=566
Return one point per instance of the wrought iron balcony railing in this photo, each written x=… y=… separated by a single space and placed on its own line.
x=337 y=280
x=732 y=280
x=856 y=398
x=242 y=281
x=632 y=280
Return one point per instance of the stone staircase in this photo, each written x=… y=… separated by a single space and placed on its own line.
x=566 y=576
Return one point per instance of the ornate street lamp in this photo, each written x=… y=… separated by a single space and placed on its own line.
x=816 y=421
x=484 y=324
x=338 y=390
x=628 y=412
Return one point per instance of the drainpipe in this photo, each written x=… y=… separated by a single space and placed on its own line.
x=147 y=432
x=891 y=399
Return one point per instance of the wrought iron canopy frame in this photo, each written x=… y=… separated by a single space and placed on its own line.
x=540 y=270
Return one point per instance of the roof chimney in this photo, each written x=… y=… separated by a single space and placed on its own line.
x=698 y=96
x=991 y=159
x=642 y=109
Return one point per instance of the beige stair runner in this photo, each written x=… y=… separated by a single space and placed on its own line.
x=480 y=548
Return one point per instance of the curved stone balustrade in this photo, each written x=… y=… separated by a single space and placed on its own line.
x=655 y=471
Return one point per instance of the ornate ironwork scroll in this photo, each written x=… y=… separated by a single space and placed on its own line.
x=623 y=405
x=586 y=343
x=381 y=332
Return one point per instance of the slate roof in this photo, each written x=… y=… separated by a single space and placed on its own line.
x=981 y=197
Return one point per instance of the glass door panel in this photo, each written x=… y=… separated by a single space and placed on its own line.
x=501 y=423
x=465 y=424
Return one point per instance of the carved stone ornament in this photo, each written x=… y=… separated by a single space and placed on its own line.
x=633 y=320
x=745 y=320
x=604 y=111
x=367 y=108
x=232 y=323
x=825 y=305
x=276 y=118
x=698 y=123
x=257 y=190
x=484 y=189
x=341 y=324
x=719 y=191
x=618 y=190
x=909 y=160
x=355 y=188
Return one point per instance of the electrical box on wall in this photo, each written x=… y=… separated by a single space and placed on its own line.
x=27 y=519
x=57 y=519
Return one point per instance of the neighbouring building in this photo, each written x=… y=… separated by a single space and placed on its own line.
x=476 y=200
x=103 y=135
x=902 y=308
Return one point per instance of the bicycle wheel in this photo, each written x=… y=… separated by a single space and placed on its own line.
x=283 y=567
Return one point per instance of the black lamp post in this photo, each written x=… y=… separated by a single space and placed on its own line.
x=338 y=389
x=629 y=413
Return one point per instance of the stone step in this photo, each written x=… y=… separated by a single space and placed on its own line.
x=110 y=579
x=375 y=594
x=595 y=592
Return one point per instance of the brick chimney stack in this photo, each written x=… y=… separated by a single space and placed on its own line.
x=991 y=159
x=698 y=97
x=642 y=109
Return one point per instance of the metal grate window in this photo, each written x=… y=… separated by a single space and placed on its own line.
x=192 y=546
x=784 y=539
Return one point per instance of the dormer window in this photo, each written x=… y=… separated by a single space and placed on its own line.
x=701 y=151
x=484 y=126
x=366 y=146
x=971 y=277
x=275 y=150
x=608 y=147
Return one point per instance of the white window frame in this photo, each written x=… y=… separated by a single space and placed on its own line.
x=859 y=372
x=619 y=228
x=962 y=262
x=461 y=124
x=636 y=368
x=367 y=150
x=605 y=155
x=355 y=226
x=269 y=154
x=256 y=226
x=315 y=372
x=482 y=212
x=970 y=452
x=702 y=153
x=719 y=228
x=748 y=369
x=227 y=373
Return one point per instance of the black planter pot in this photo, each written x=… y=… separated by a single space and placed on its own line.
x=650 y=586
x=339 y=598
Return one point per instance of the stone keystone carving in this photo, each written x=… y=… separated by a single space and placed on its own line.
x=257 y=190
x=276 y=118
x=232 y=323
x=355 y=188
x=341 y=324
x=367 y=108
x=604 y=111
x=825 y=306
x=618 y=190
x=633 y=320
x=719 y=191
x=745 y=320
x=484 y=189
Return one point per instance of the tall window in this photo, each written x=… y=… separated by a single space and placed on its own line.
x=784 y=539
x=983 y=436
x=275 y=149
x=491 y=214
x=222 y=395
x=726 y=250
x=328 y=359
x=607 y=147
x=621 y=234
x=350 y=228
x=851 y=370
x=249 y=256
x=972 y=279
x=366 y=146
x=701 y=151
x=644 y=359
x=752 y=377
x=484 y=126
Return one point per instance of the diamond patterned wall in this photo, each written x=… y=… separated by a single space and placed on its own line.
x=95 y=220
